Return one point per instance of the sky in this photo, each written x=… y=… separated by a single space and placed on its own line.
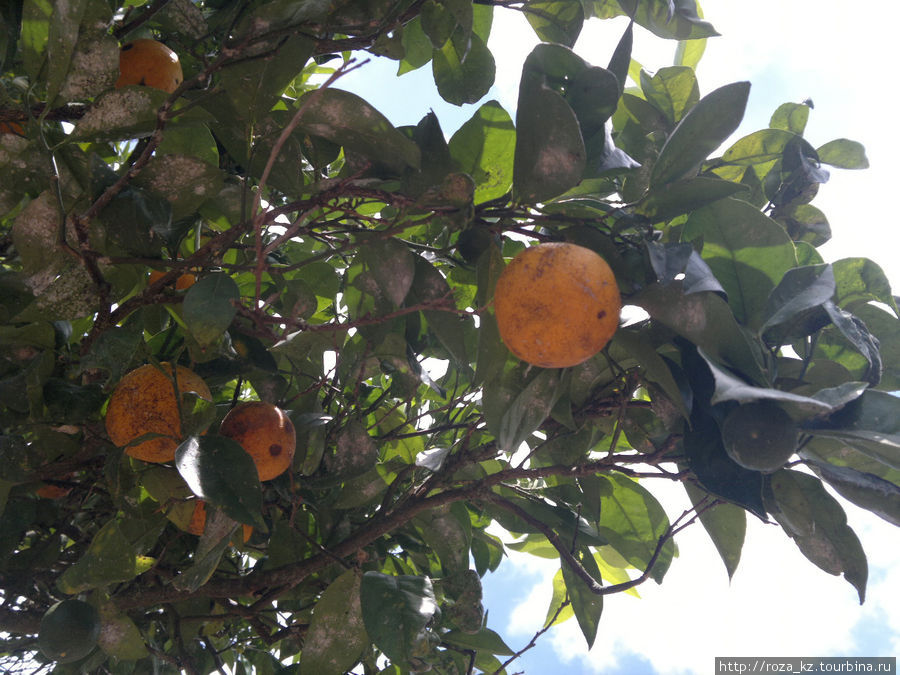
x=778 y=603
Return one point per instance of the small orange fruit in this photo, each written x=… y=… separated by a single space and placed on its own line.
x=50 y=491
x=145 y=402
x=12 y=128
x=265 y=432
x=149 y=63
x=557 y=304
x=197 y=524
x=182 y=283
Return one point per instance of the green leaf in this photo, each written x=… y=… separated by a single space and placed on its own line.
x=463 y=69
x=221 y=472
x=129 y=112
x=707 y=321
x=120 y=637
x=726 y=525
x=689 y=52
x=417 y=47
x=731 y=388
x=527 y=409
x=633 y=521
x=209 y=306
x=349 y=120
x=484 y=147
x=184 y=181
x=550 y=155
x=620 y=61
x=336 y=636
x=664 y=202
x=867 y=490
x=703 y=129
x=758 y=148
x=716 y=471
x=396 y=611
x=588 y=606
x=672 y=19
x=748 y=252
x=391 y=265
x=673 y=90
x=254 y=85
x=861 y=280
x=556 y=20
x=871 y=424
x=109 y=559
x=800 y=290
x=657 y=370
x=818 y=525
x=484 y=640
x=790 y=117
x=844 y=154
x=429 y=285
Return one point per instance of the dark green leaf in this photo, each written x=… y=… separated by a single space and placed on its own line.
x=716 y=471
x=673 y=19
x=707 y=321
x=254 y=85
x=867 y=490
x=800 y=290
x=349 y=120
x=588 y=606
x=336 y=635
x=703 y=129
x=621 y=58
x=726 y=525
x=396 y=611
x=818 y=525
x=209 y=306
x=109 y=559
x=222 y=473
x=683 y=196
x=463 y=69
x=748 y=252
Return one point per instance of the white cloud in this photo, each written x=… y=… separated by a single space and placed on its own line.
x=778 y=603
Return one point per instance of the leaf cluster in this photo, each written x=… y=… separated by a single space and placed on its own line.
x=345 y=269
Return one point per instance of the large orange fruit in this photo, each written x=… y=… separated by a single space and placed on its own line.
x=146 y=402
x=265 y=432
x=557 y=304
x=149 y=63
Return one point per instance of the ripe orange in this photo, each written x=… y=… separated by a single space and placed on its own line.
x=11 y=128
x=182 y=283
x=145 y=402
x=197 y=524
x=149 y=63
x=557 y=304
x=265 y=432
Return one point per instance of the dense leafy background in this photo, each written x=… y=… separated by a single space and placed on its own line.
x=346 y=269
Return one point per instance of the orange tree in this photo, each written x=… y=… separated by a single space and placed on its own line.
x=344 y=272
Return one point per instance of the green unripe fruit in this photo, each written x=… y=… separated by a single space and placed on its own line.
x=760 y=436
x=69 y=630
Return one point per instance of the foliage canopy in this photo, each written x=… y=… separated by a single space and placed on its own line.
x=345 y=269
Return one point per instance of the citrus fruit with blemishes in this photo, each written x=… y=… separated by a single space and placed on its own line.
x=197 y=524
x=149 y=63
x=182 y=282
x=69 y=630
x=146 y=401
x=760 y=436
x=557 y=304
x=11 y=128
x=265 y=432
